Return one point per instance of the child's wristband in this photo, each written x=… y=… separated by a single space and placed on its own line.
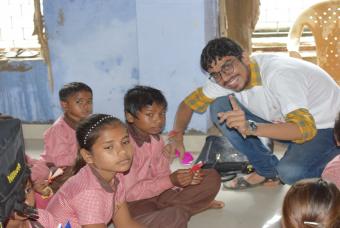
x=173 y=133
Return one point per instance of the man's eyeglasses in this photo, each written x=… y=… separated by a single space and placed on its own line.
x=227 y=69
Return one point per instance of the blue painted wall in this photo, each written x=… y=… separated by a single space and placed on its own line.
x=94 y=42
x=113 y=45
x=171 y=36
x=24 y=91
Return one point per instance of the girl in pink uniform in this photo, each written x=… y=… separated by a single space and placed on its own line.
x=96 y=195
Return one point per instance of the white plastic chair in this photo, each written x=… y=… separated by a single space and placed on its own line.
x=323 y=19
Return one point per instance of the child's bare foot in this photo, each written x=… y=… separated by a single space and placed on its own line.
x=215 y=204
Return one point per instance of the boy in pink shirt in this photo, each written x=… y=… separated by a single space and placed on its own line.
x=96 y=194
x=151 y=186
x=332 y=169
x=60 y=144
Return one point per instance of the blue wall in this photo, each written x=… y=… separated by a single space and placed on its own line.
x=94 y=42
x=113 y=45
x=24 y=91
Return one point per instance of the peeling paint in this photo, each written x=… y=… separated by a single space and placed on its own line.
x=14 y=67
x=135 y=73
x=61 y=17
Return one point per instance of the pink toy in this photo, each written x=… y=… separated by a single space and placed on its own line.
x=187 y=157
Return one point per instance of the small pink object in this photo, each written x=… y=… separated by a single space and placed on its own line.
x=40 y=201
x=187 y=157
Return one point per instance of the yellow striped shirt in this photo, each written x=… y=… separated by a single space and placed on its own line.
x=305 y=121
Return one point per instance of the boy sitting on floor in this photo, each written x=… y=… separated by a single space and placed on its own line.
x=60 y=144
x=150 y=185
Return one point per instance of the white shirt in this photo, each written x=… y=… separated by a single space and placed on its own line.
x=287 y=84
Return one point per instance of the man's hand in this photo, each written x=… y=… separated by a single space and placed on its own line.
x=176 y=141
x=182 y=178
x=169 y=151
x=235 y=118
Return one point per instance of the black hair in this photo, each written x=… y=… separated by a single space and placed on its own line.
x=72 y=88
x=219 y=48
x=141 y=96
x=337 y=128
x=88 y=132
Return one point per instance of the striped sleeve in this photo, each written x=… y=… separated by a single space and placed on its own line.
x=197 y=101
x=305 y=122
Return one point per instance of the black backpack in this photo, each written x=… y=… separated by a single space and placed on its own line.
x=14 y=171
x=218 y=153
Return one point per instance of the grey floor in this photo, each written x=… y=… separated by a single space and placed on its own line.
x=253 y=208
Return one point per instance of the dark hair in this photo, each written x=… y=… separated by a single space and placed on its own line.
x=141 y=96
x=311 y=201
x=88 y=132
x=219 y=48
x=337 y=128
x=72 y=88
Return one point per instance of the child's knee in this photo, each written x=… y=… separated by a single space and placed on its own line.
x=212 y=180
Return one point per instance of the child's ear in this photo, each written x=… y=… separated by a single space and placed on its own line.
x=63 y=105
x=87 y=156
x=129 y=118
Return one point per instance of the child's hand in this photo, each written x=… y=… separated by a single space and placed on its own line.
x=182 y=177
x=41 y=186
x=197 y=177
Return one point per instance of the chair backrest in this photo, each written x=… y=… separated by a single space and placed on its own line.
x=323 y=19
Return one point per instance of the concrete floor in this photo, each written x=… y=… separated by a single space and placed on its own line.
x=252 y=208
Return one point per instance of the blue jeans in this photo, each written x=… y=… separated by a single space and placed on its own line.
x=300 y=161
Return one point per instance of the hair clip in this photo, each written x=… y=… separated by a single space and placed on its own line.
x=94 y=126
x=311 y=223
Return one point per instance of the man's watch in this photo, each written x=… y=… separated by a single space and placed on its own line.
x=252 y=127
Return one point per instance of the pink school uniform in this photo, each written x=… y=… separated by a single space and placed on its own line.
x=149 y=174
x=87 y=199
x=60 y=150
x=45 y=220
x=150 y=191
x=332 y=171
x=60 y=144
